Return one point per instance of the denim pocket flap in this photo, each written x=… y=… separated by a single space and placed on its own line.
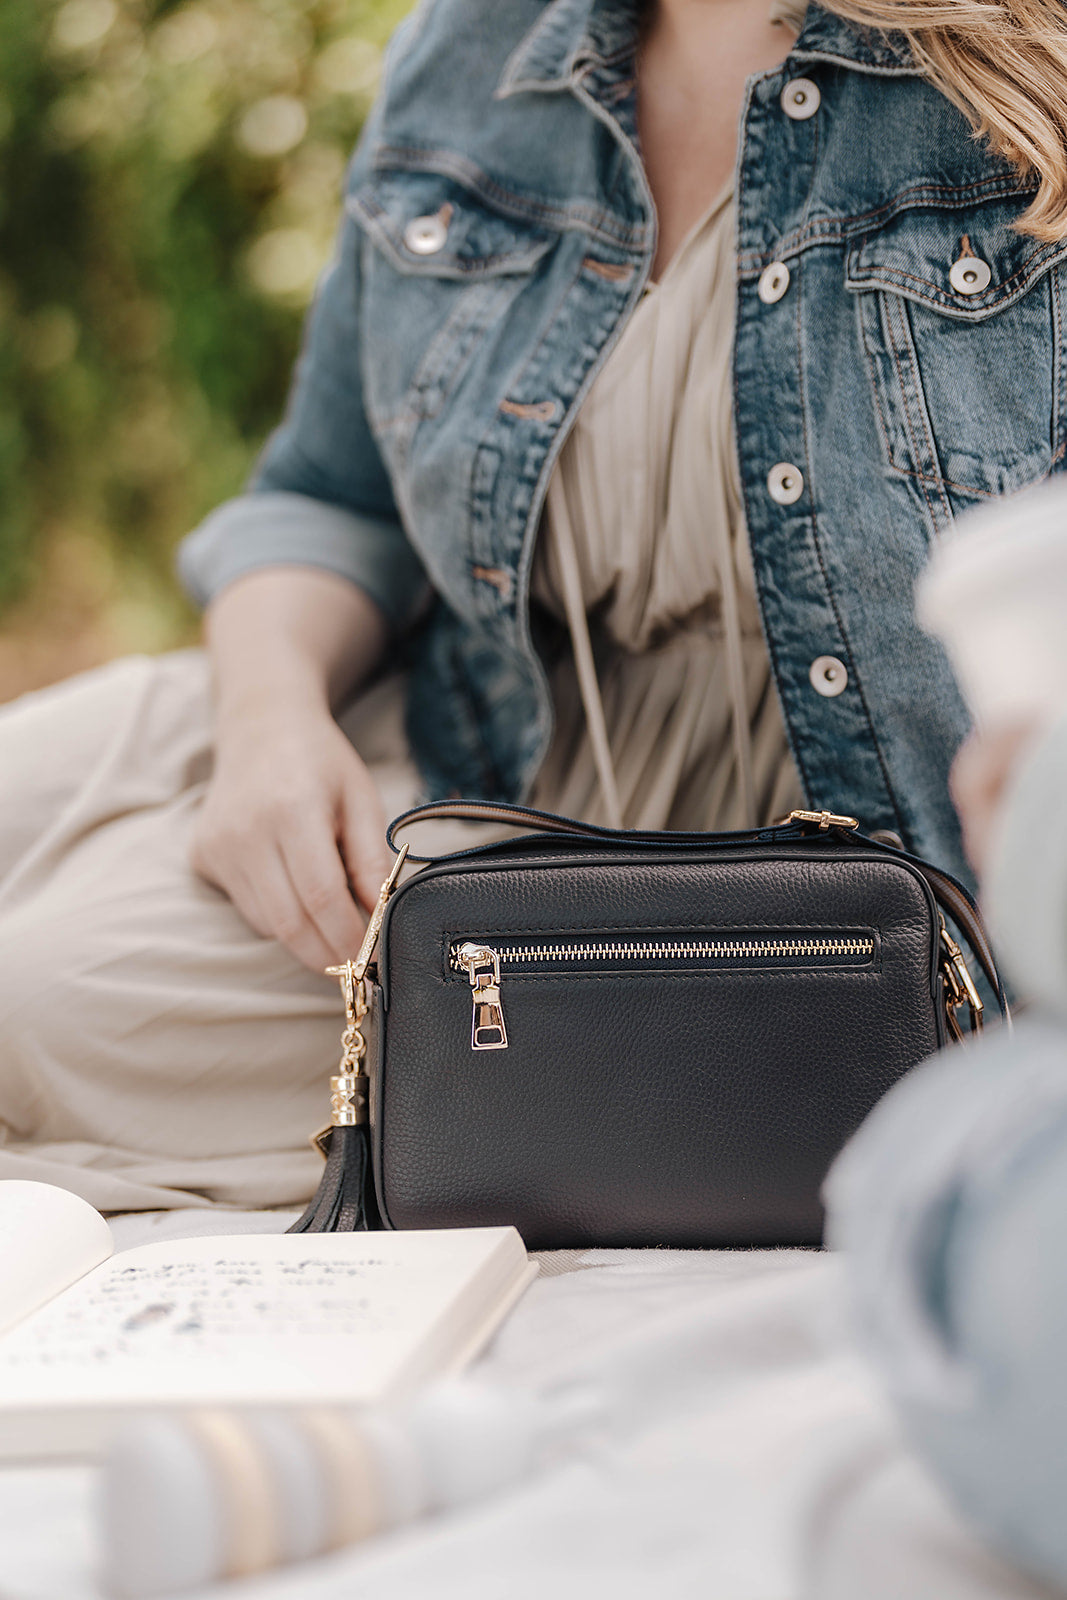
x=968 y=264
x=431 y=226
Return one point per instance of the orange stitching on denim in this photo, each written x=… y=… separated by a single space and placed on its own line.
x=499 y=577
x=541 y=411
x=616 y=272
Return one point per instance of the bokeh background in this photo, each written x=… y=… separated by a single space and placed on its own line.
x=169 y=183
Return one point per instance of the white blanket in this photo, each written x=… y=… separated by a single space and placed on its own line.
x=750 y=1458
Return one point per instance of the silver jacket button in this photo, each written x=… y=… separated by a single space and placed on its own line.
x=773 y=282
x=800 y=99
x=969 y=275
x=424 y=236
x=785 y=483
x=828 y=676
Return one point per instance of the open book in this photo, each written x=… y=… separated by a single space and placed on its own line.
x=87 y=1337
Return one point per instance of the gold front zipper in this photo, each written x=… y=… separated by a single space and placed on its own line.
x=482 y=962
x=673 y=950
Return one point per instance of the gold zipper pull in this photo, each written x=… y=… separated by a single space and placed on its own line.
x=482 y=967
x=961 y=986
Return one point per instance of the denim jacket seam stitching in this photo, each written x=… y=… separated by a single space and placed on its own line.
x=508 y=202
x=797 y=746
x=913 y=471
x=1057 y=366
x=445 y=351
x=920 y=476
x=520 y=609
x=939 y=298
x=550 y=322
x=475 y=266
x=890 y=454
x=872 y=378
x=922 y=418
x=813 y=522
x=951 y=483
x=833 y=230
x=934 y=480
x=816 y=144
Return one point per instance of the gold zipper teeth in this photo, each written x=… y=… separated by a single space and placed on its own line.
x=670 y=951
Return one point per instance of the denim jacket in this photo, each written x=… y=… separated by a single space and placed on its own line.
x=499 y=231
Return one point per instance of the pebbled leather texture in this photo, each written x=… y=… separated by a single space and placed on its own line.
x=691 y=1108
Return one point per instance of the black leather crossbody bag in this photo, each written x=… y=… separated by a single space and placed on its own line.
x=621 y=1038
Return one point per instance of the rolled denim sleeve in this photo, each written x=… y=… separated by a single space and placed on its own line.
x=271 y=528
x=320 y=495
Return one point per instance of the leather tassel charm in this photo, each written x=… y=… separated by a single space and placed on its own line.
x=345 y=1201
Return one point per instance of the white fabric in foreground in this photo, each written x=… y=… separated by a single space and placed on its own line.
x=765 y=1467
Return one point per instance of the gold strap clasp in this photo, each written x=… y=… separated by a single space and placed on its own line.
x=349 y=1099
x=960 y=988
x=822 y=819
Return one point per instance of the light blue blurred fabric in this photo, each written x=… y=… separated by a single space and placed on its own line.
x=951 y=1205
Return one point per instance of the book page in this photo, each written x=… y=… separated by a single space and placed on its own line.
x=286 y=1318
x=48 y=1239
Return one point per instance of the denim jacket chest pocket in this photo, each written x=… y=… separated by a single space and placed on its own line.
x=441 y=266
x=961 y=324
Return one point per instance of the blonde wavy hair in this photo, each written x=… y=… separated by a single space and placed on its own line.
x=1003 y=63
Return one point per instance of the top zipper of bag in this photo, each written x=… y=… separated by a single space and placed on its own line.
x=531 y=957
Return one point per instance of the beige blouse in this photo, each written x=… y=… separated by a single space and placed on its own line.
x=679 y=725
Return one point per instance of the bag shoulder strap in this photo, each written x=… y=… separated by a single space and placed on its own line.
x=550 y=822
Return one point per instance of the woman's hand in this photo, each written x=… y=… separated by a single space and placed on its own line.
x=292 y=828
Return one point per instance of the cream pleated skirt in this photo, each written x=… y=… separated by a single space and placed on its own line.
x=154 y=1050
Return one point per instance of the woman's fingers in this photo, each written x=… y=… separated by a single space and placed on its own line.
x=293 y=831
x=274 y=896
x=362 y=823
x=312 y=858
x=251 y=870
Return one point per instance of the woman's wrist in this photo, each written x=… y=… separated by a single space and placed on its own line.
x=289 y=644
x=287 y=689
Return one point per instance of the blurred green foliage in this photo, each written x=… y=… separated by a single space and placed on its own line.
x=169 y=183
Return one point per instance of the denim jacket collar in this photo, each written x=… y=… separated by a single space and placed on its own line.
x=826 y=37
x=569 y=36
x=573 y=34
